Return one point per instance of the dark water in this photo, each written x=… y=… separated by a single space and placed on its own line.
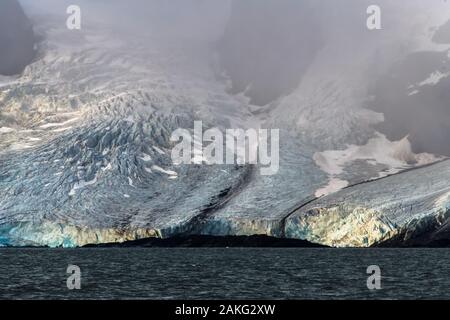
x=221 y=273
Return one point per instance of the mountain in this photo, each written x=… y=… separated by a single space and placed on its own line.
x=85 y=148
x=16 y=38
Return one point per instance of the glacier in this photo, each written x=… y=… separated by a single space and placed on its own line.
x=85 y=150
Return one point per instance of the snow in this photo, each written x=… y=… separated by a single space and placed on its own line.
x=148 y=170
x=130 y=118
x=57 y=124
x=6 y=130
x=108 y=167
x=112 y=98
x=159 y=150
x=81 y=184
x=20 y=146
x=433 y=79
x=109 y=95
x=396 y=155
x=145 y=157
x=168 y=172
x=334 y=185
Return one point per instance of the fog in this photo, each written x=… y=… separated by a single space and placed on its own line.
x=266 y=48
x=175 y=18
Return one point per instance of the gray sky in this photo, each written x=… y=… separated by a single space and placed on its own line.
x=267 y=46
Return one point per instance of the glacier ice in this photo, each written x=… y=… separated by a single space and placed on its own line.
x=85 y=140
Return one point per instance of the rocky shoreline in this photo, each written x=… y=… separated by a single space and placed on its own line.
x=205 y=241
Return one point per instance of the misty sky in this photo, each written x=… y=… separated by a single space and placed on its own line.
x=267 y=47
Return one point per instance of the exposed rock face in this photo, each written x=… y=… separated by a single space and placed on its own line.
x=16 y=38
x=442 y=35
x=268 y=45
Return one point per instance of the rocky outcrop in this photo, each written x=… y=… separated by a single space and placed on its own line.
x=442 y=35
x=264 y=50
x=17 y=39
x=196 y=241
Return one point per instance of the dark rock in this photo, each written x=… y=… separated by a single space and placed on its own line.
x=442 y=35
x=422 y=114
x=426 y=233
x=195 y=241
x=263 y=49
x=16 y=38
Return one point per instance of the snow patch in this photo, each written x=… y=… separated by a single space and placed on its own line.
x=108 y=167
x=148 y=170
x=159 y=150
x=19 y=146
x=433 y=79
x=334 y=185
x=146 y=157
x=57 y=124
x=168 y=172
x=6 y=130
x=81 y=184
x=397 y=155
